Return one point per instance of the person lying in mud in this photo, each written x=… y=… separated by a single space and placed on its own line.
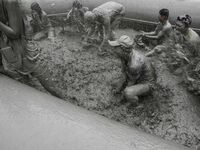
x=158 y=38
x=41 y=24
x=102 y=20
x=76 y=16
x=139 y=72
x=20 y=57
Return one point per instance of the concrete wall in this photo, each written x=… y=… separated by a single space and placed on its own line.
x=137 y=9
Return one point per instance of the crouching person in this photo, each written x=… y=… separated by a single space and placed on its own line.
x=18 y=55
x=103 y=20
x=139 y=71
x=41 y=24
x=76 y=16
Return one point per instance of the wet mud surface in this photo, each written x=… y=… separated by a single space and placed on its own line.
x=87 y=79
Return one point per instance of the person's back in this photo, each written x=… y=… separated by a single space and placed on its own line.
x=192 y=36
x=139 y=68
x=109 y=9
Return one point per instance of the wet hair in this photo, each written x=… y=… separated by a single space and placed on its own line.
x=77 y=4
x=35 y=6
x=186 y=19
x=164 y=12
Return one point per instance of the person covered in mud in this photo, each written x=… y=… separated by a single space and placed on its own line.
x=102 y=20
x=76 y=15
x=20 y=58
x=40 y=23
x=139 y=72
x=188 y=38
x=187 y=45
x=158 y=38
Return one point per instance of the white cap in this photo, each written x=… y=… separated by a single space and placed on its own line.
x=124 y=40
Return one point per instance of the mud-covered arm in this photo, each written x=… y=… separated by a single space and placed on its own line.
x=149 y=33
x=158 y=35
x=90 y=30
x=106 y=31
x=153 y=33
x=123 y=11
x=13 y=31
x=46 y=20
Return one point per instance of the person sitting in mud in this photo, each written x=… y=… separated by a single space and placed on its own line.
x=188 y=44
x=40 y=22
x=20 y=57
x=139 y=71
x=103 y=20
x=76 y=15
x=160 y=35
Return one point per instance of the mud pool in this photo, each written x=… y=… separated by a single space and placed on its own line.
x=87 y=79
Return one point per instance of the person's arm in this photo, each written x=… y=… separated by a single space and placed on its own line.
x=157 y=36
x=153 y=33
x=106 y=31
x=14 y=29
x=90 y=31
x=69 y=13
x=149 y=33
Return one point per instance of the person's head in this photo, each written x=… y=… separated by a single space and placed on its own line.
x=89 y=17
x=183 y=23
x=77 y=4
x=36 y=7
x=163 y=15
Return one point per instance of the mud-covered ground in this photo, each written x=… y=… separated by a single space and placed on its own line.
x=87 y=79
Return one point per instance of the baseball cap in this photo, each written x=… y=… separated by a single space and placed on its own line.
x=124 y=40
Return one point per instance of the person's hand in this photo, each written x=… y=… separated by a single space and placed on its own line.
x=100 y=49
x=142 y=33
x=178 y=46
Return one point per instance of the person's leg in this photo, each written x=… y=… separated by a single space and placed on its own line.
x=157 y=50
x=39 y=70
x=40 y=35
x=48 y=83
x=131 y=93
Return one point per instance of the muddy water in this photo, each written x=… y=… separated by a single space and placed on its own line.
x=87 y=79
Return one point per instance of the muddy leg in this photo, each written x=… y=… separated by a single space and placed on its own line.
x=47 y=82
x=132 y=93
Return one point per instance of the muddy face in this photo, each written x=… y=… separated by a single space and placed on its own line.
x=162 y=18
x=181 y=27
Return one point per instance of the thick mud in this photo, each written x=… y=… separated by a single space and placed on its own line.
x=87 y=79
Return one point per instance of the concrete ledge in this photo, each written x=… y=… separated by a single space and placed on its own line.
x=31 y=120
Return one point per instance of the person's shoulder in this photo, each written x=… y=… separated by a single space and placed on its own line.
x=194 y=35
x=168 y=25
x=44 y=13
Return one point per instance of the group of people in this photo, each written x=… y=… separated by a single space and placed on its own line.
x=19 y=54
